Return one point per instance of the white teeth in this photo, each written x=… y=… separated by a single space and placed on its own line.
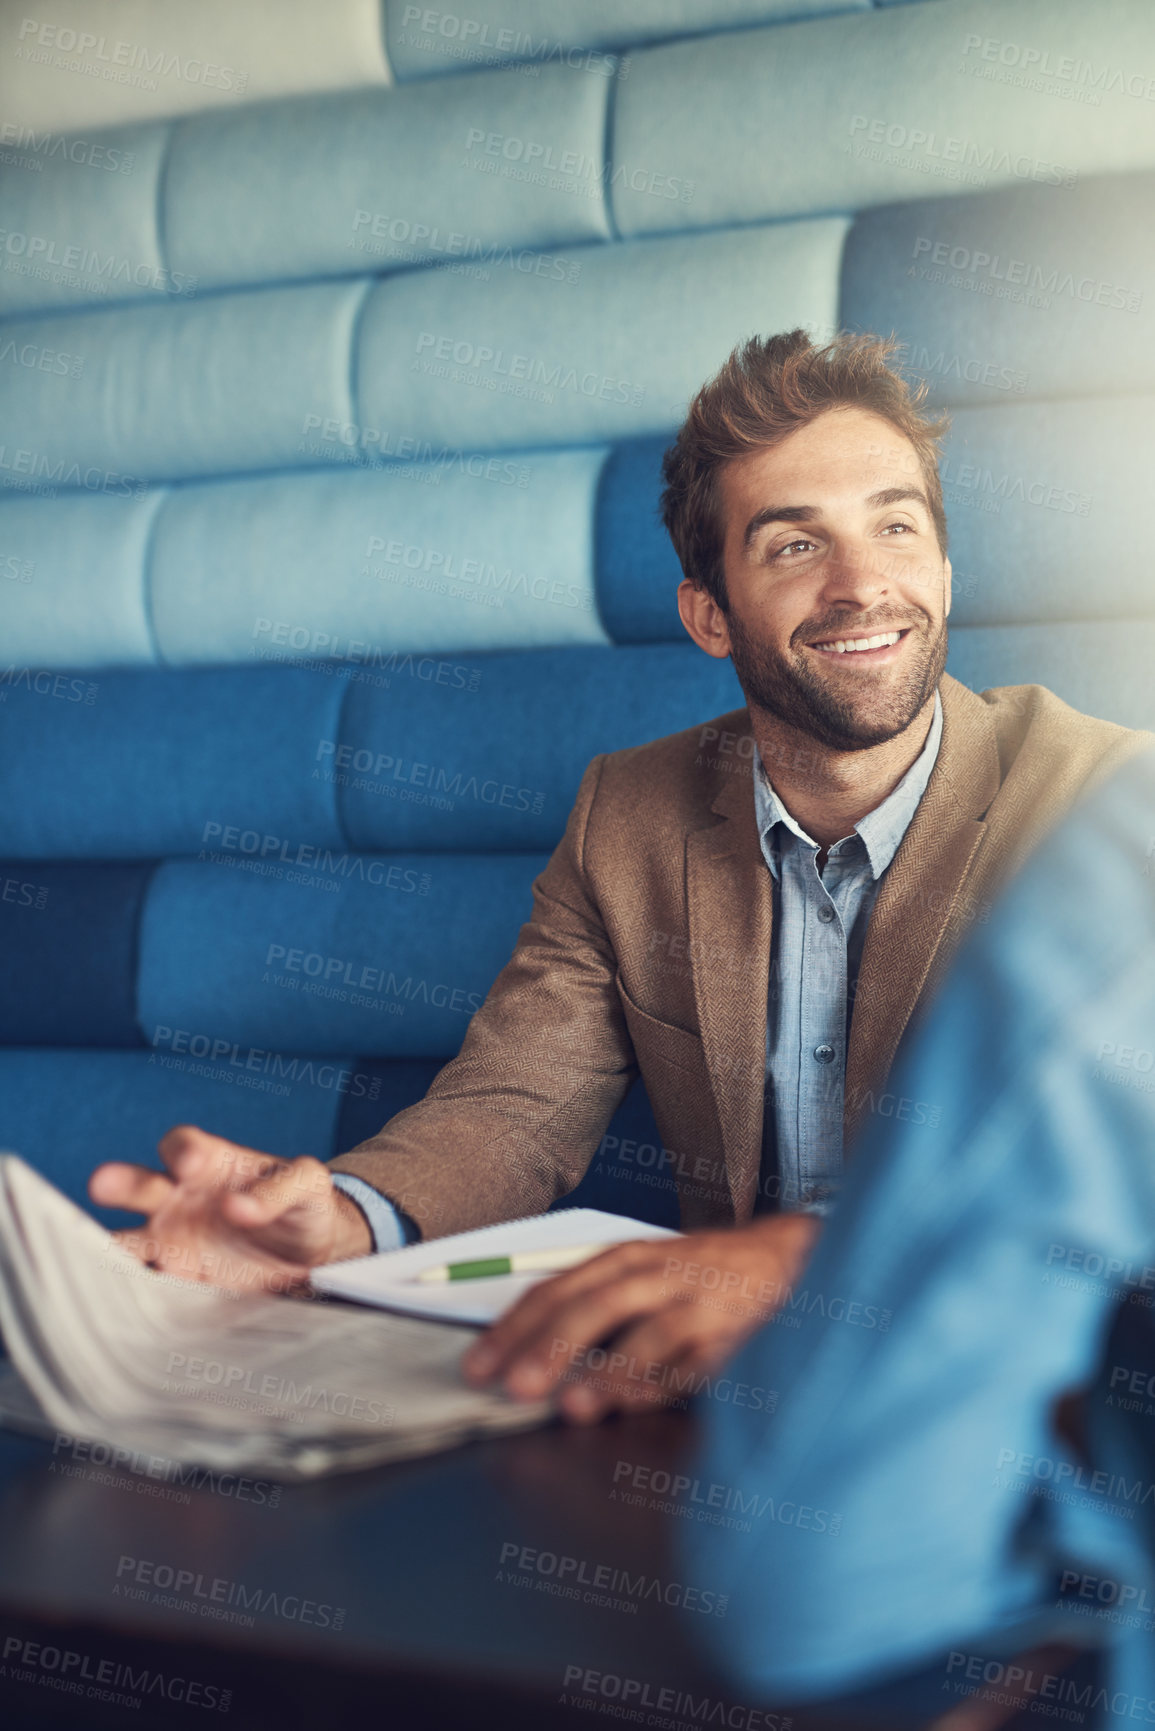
x=848 y=645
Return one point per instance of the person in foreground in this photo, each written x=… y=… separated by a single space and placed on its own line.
x=746 y=913
x=991 y=1455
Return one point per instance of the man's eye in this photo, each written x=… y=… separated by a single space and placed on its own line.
x=789 y=545
x=909 y=527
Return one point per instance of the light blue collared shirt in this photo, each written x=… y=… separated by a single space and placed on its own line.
x=385 y=1223
x=820 y=922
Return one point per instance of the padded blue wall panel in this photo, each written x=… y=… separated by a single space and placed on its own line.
x=66 y=1111
x=68 y=937
x=82 y=230
x=493 y=367
x=848 y=112
x=491 y=768
x=400 y=1082
x=638 y=570
x=1034 y=292
x=1101 y=667
x=269 y=963
x=353 y=176
x=1048 y=511
x=196 y=388
x=141 y=764
x=423 y=41
x=76 y=596
x=371 y=564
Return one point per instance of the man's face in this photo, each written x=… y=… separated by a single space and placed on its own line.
x=837 y=587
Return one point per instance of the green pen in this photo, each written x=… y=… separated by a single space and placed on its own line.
x=521 y=1262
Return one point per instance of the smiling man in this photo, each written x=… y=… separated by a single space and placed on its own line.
x=747 y=913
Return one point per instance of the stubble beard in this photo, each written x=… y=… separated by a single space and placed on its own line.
x=791 y=687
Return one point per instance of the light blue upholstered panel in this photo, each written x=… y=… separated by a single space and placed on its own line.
x=82 y=229
x=1048 y=510
x=1101 y=667
x=493 y=367
x=195 y=388
x=66 y=1111
x=136 y=765
x=270 y=963
x=72 y=580
x=848 y=112
x=423 y=40
x=1033 y=292
x=381 y=179
x=467 y=555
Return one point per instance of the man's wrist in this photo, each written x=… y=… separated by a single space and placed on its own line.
x=351 y=1234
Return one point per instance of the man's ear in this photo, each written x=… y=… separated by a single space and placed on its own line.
x=946 y=575
x=703 y=619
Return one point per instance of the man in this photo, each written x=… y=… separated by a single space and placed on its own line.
x=991 y=1470
x=748 y=912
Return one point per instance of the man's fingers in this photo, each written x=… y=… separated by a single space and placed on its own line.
x=117 y=1185
x=302 y=1183
x=534 y=1313
x=568 y=1332
x=192 y=1155
x=649 y=1366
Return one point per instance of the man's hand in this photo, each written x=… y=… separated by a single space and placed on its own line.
x=231 y=1216
x=647 y=1309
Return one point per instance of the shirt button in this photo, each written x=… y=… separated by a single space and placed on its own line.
x=824 y=1054
x=826 y=913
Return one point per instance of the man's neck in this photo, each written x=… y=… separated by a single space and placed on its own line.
x=827 y=791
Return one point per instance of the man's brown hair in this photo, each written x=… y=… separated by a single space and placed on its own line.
x=769 y=387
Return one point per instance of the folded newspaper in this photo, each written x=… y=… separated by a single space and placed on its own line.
x=106 y=1350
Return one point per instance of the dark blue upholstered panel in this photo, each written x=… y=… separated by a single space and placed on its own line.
x=68 y=939
x=637 y=569
x=292 y=967
x=497 y=759
x=66 y=1111
x=142 y=763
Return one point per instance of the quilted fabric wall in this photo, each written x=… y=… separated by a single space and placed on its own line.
x=336 y=389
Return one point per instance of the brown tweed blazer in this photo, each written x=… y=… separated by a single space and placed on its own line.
x=649 y=949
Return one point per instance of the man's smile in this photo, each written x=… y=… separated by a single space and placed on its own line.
x=860 y=648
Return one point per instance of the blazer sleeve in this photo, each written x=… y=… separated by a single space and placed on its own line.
x=512 y=1122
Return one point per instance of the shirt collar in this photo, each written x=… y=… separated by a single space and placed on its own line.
x=880 y=831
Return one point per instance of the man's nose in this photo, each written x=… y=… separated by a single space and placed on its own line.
x=853 y=573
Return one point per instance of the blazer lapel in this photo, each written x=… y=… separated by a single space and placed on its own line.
x=730 y=909
x=920 y=894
